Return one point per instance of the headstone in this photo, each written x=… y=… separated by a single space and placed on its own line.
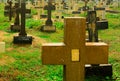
x=74 y=52
x=29 y=4
x=16 y=25
x=59 y=10
x=13 y=11
x=48 y=27
x=116 y=4
x=100 y=9
x=22 y=38
x=92 y=29
x=70 y=6
x=91 y=4
x=8 y=9
x=43 y=15
x=75 y=10
x=37 y=7
x=2 y=47
x=85 y=7
x=94 y=24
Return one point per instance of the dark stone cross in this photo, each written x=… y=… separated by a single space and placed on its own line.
x=8 y=9
x=22 y=38
x=85 y=8
x=15 y=10
x=49 y=24
x=74 y=52
x=94 y=24
x=49 y=8
x=16 y=26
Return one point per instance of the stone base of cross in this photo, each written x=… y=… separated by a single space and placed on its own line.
x=74 y=52
x=22 y=40
x=2 y=47
x=104 y=70
x=46 y=28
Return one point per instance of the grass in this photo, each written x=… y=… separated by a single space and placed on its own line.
x=25 y=61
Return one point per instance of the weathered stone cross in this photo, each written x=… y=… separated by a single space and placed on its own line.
x=22 y=38
x=49 y=7
x=74 y=52
x=48 y=27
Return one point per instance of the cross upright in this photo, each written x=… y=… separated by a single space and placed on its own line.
x=49 y=8
x=23 y=38
x=10 y=4
x=74 y=52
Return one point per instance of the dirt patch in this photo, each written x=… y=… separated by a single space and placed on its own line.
x=9 y=49
x=2 y=33
x=37 y=41
x=10 y=75
x=6 y=60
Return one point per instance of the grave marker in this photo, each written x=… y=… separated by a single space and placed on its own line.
x=8 y=9
x=16 y=25
x=94 y=24
x=22 y=38
x=48 y=27
x=74 y=53
x=59 y=10
x=14 y=11
x=2 y=47
x=76 y=11
x=43 y=15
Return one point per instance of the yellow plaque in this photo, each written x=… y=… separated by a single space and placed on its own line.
x=75 y=55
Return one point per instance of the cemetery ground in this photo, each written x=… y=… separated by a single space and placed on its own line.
x=23 y=62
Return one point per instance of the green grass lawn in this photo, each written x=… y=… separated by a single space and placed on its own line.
x=23 y=63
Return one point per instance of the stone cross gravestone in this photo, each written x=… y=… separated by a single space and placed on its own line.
x=94 y=24
x=59 y=10
x=37 y=7
x=9 y=8
x=91 y=24
x=29 y=4
x=22 y=38
x=75 y=10
x=16 y=25
x=100 y=9
x=2 y=47
x=74 y=52
x=14 y=11
x=48 y=27
x=43 y=15
x=85 y=7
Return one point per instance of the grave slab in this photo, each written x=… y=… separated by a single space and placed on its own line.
x=2 y=47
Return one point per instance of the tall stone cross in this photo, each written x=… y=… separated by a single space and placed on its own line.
x=74 y=52
x=48 y=27
x=49 y=8
x=10 y=9
x=23 y=38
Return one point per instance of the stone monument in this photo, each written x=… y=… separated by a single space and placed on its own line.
x=74 y=52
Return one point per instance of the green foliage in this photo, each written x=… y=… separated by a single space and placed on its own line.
x=35 y=24
x=59 y=25
x=113 y=20
x=33 y=12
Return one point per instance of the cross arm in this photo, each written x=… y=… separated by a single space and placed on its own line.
x=96 y=53
x=49 y=7
x=53 y=53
